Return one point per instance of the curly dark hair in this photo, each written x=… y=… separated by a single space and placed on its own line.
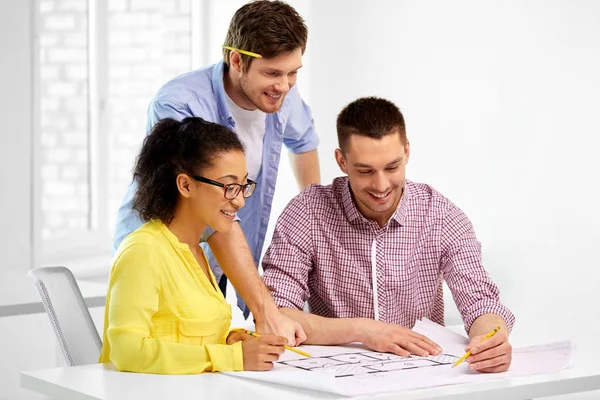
x=369 y=116
x=172 y=148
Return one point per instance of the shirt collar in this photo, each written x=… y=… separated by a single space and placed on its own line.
x=343 y=185
x=219 y=90
x=355 y=216
x=400 y=214
x=160 y=226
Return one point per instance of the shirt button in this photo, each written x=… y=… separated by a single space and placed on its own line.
x=380 y=308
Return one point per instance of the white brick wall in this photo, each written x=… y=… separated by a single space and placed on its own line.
x=149 y=43
x=63 y=46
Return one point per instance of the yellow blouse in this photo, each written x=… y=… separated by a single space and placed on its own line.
x=163 y=315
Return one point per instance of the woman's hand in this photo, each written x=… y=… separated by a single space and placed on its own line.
x=261 y=352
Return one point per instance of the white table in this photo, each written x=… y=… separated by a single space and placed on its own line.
x=101 y=381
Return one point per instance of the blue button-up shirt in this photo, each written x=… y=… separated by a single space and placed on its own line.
x=200 y=93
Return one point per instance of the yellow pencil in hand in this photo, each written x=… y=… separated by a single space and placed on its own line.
x=290 y=348
x=468 y=353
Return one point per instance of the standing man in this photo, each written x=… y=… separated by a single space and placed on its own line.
x=370 y=251
x=251 y=92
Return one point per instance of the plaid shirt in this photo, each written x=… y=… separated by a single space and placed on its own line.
x=325 y=251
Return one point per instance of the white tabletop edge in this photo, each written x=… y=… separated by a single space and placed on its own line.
x=568 y=381
x=39 y=385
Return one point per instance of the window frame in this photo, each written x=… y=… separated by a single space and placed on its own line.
x=96 y=241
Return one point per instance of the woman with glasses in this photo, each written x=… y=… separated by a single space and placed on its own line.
x=164 y=311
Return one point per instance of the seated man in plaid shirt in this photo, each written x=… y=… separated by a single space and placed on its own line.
x=369 y=252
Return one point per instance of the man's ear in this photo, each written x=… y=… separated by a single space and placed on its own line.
x=185 y=185
x=406 y=152
x=235 y=61
x=341 y=160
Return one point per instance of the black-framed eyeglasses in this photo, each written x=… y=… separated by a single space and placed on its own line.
x=231 y=190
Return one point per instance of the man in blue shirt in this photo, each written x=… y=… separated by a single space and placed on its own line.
x=251 y=92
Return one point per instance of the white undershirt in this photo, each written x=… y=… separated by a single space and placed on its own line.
x=250 y=128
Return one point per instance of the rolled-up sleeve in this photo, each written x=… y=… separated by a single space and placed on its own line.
x=299 y=135
x=289 y=259
x=472 y=288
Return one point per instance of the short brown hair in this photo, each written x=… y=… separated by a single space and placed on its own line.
x=268 y=28
x=369 y=116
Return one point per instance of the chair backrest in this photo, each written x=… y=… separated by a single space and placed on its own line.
x=75 y=330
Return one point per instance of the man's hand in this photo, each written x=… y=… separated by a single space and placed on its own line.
x=391 y=338
x=277 y=323
x=491 y=355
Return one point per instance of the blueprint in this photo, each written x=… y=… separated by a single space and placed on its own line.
x=367 y=362
x=354 y=370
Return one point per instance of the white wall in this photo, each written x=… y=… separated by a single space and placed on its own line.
x=16 y=134
x=500 y=100
x=501 y=103
x=26 y=342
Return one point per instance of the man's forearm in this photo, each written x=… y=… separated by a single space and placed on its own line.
x=325 y=331
x=306 y=168
x=486 y=323
x=233 y=255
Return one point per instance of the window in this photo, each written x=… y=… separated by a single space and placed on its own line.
x=100 y=64
x=64 y=119
x=101 y=61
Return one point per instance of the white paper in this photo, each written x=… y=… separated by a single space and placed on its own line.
x=354 y=370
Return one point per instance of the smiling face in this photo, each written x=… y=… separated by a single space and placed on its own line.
x=206 y=203
x=376 y=172
x=265 y=83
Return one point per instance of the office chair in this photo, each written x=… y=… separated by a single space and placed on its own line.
x=73 y=325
